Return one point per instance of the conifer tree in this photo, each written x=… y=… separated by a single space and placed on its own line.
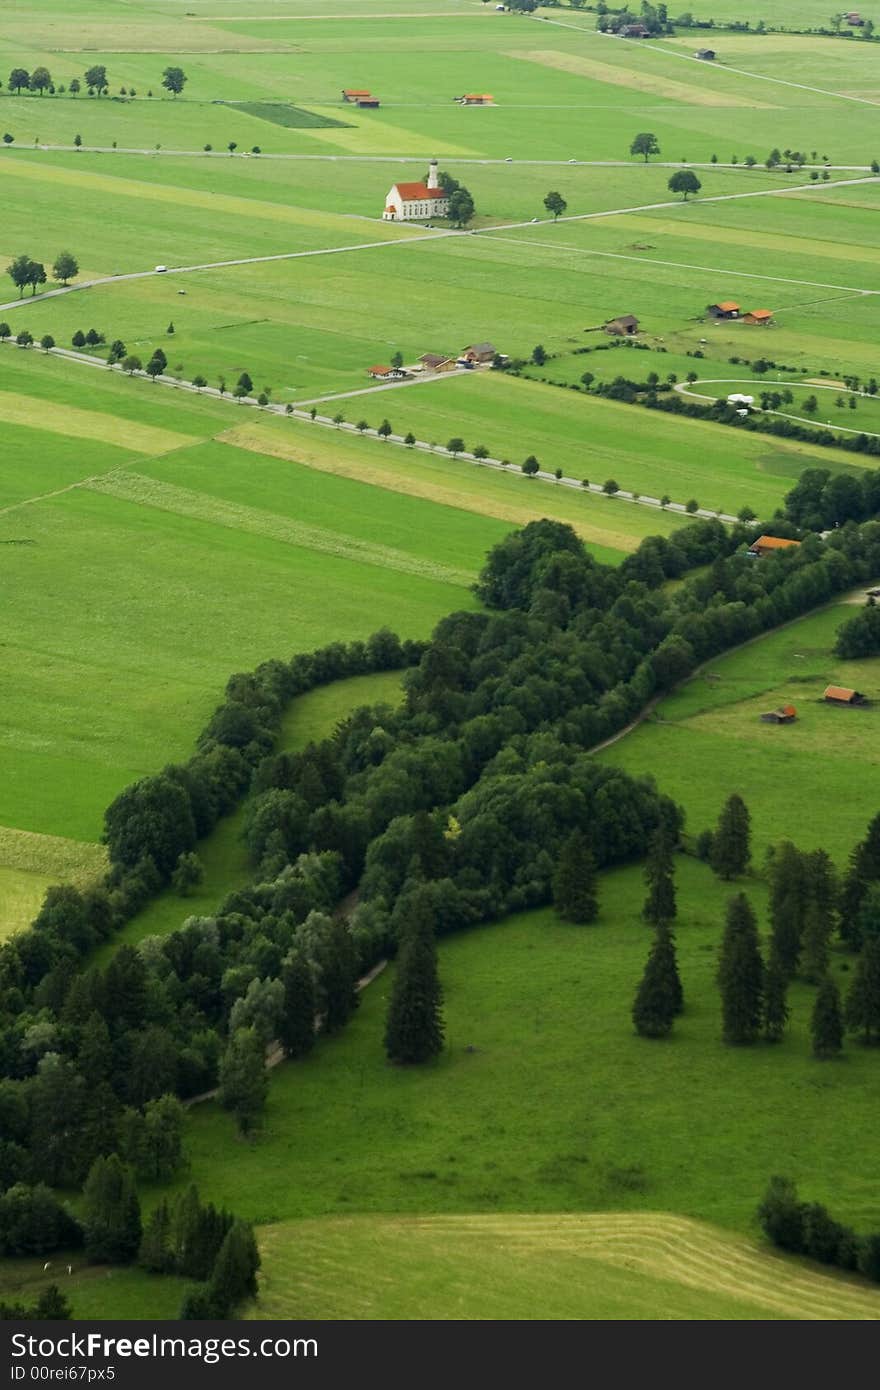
x=414 y=1025
x=731 y=849
x=574 y=881
x=297 y=1029
x=156 y=1253
x=863 y=999
x=814 y=944
x=826 y=1024
x=659 y=875
x=776 y=1010
x=52 y=1305
x=741 y=974
x=111 y=1212
x=659 y=996
x=788 y=903
x=234 y=1276
x=338 y=964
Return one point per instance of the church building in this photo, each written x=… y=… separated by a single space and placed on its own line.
x=411 y=202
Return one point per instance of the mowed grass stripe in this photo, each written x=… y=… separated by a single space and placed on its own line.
x=149 y=492
x=467 y=1252
x=255 y=439
x=54 y=856
x=71 y=420
x=85 y=182
x=686 y=92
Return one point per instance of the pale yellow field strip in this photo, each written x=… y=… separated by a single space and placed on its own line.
x=686 y=1251
x=51 y=856
x=652 y=83
x=87 y=36
x=326 y=461
x=166 y=497
x=361 y=139
x=74 y=421
x=89 y=182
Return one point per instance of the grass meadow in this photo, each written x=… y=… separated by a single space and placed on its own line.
x=154 y=541
x=706 y=740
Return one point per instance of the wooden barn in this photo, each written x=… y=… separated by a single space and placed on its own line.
x=786 y=714
x=708 y=54
x=841 y=695
x=761 y=316
x=355 y=94
x=624 y=326
x=724 y=309
x=769 y=545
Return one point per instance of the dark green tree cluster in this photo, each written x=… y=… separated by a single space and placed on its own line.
x=51 y=1305
x=821 y=499
x=23 y=272
x=807 y=1228
x=574 y=880
x=860 y=637
x=414 y=1025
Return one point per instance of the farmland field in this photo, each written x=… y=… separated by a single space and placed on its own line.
x=158 y=536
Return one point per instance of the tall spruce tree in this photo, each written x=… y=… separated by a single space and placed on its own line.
x=111 y=1212
x=731 y=842
x=297 y=1030
x=789 y=888
x=234 y=1276
x=574 y=880
x=659 y=996
x=776 y=1010
x=863 y=999
x=864 y=869
x=741 y=974
x=338 y=965
x=414 y=1025
x=814 y=943
x=156 y=1253
x=660 y=877
x=826 y=1024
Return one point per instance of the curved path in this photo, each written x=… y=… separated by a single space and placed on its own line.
x=686 y=388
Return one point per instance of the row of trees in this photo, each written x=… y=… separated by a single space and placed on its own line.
x=821 y=499
x=808 y=1228
x=174 y=80
x=24 y=271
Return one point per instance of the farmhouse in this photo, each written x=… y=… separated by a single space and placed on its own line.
x=787 y=714
x=433 y=362
x=841 y=695
x=478 y=352
x=633 y=31
x=707 y=53
x=409 y=201
x=855 y=19
x=355 y=94
x=387 y=373
x=624 y=326
x=769 y=545
x=476 y=99
x=762 y=316
x=726 y=309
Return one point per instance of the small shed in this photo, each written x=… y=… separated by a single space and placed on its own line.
x=365 y=102
x=476 y=99
x=706 y=53
x=624 y=326
x=724 y=309
x=479 y=352
x=786 y=714
x=769 y=545
x=841 y=695
x=761 y=316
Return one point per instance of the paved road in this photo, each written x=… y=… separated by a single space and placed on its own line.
x=411 y=159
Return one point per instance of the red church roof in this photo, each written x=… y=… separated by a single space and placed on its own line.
x=418 y=192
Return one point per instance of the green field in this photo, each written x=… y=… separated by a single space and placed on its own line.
x=706 y=740
x=153 y=541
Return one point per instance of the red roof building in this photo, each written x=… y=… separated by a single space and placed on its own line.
x=413 y=201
